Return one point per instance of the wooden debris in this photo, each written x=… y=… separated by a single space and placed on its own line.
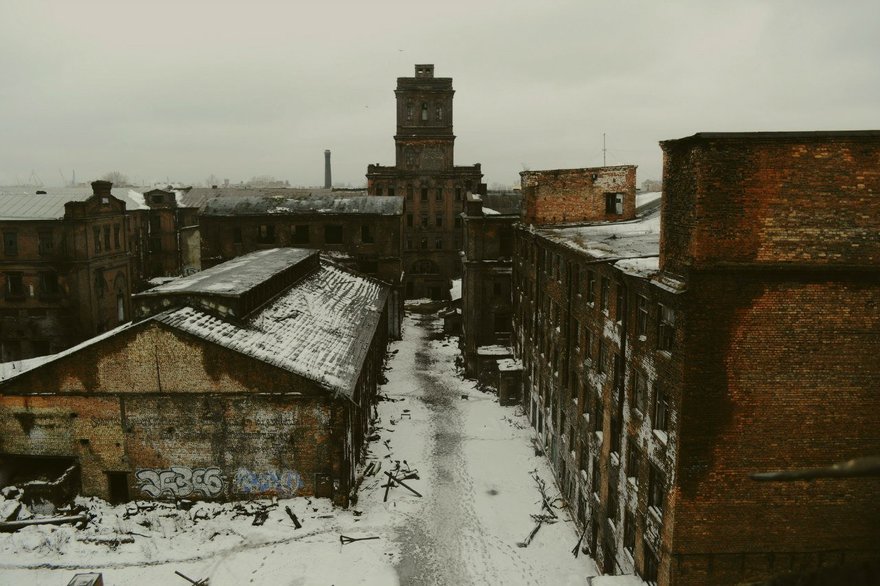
x=202 y=582
x=394 y=479
x=577 y=547
x=345 y=540
x=293 y=518
x=10 y=526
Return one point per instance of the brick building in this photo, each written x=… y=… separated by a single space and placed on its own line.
x=252 y=378
x=65 y=269
x=487 y=265
x=361 y=232
x=165 y=236
x=668 y=357
x=426 y=175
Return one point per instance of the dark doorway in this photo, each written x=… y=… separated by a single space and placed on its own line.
x=323 y=486
x=118 y=484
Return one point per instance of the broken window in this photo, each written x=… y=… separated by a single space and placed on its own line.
x=107 y=237
x=656 y=489
x=424 y=194
x=409 y=192
x=591 y=287
x=614 y=203
x=96 y=236
x=666 y=328
x=632 y=459
x=301 y=234
x=424 y=111
x=49 y=284
x=14 y=286
x=45 y=242
x=642 y=315
x=629 y=532
x=438 y=220
x=640 y=390
x=333 y=234
x=661 y=409
x=620 y=307
x=266 y=234
x=603 y=357
x=438 y=196
x=605 y=294
x=116 y=239
x=366 y=234
x=438 y=243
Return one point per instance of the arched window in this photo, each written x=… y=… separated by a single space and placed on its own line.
x=424 y=111
x=439 y=113
x=409 y=111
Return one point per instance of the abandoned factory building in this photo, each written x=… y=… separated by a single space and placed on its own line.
x=426 y=175
x=253 y=378
x=667 y=355
x=487 y=265
x=361 y=232
x=66 y=270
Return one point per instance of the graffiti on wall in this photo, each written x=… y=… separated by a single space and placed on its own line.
x=283 y=483
x=180 y=481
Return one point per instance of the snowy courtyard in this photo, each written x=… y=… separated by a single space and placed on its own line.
x=471 y=460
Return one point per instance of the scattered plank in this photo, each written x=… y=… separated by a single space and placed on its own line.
x=11 y=526
x=345 y=540
x=296 y=523
x=202 y=582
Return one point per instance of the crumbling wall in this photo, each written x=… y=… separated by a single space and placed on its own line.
x=577 y=195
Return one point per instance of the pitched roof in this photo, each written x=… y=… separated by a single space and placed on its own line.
x=48 y=206
x=312 y=204
x=319 y=329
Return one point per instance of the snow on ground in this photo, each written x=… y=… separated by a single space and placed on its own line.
x=474 y=461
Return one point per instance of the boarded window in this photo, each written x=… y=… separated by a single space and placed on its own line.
x=333 y=234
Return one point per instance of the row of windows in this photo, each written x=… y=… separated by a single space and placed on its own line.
x=425 y=192
x=101 y=238
x=302 y=234
x=425 y=221
x=45 y=242
x=424 y=244
x=15 y=288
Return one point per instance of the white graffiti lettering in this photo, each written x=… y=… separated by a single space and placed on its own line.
x=180 y=481
x=283 y=483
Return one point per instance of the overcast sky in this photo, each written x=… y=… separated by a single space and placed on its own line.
x=184 y=89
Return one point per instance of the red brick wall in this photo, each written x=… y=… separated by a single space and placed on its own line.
x=771 y=200
x=577 y=195
x=265 y=431
x=783 y=376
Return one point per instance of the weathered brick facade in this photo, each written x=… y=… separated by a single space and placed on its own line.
x=579 y=195
x=365 y=234
x=426 y=175
x=66 y=275
x=487 y=265
x=659 y=385
x=154 y=411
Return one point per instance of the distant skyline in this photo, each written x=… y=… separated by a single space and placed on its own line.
x=181 y=91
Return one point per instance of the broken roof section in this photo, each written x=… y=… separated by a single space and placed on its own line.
x=324 y=204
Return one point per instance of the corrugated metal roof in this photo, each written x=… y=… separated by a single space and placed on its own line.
x=319 y=329
x=312 y=204
x=48 y=206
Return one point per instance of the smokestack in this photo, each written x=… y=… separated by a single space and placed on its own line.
x=328 y=183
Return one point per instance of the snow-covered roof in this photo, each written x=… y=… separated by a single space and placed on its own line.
x=236 y=276
x=319 y=329
x=48 y=206
x=611 y=240
x=494 y=350
x=384 y=205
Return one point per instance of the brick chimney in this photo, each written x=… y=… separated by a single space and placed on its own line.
x=101 y=187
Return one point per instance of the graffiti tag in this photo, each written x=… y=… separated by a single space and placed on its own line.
x=180 y=481
x=283 y=483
